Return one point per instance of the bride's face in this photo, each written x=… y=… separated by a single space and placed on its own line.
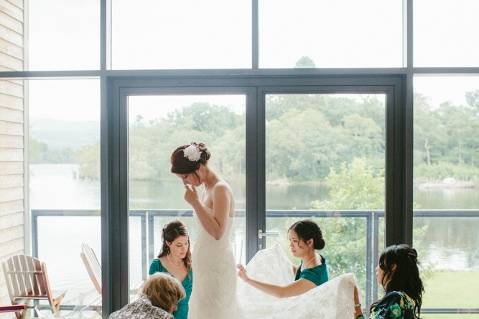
x=190 y=179
x=179 y=247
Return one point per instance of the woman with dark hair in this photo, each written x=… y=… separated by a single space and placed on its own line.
x=398 y=274
x=175 y=259
x=305 y=237
x=214 y=287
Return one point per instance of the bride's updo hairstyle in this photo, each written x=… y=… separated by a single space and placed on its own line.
x=187 y=159
x=306 y=230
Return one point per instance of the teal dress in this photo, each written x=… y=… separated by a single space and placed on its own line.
x=182 y=311
x=318 y=275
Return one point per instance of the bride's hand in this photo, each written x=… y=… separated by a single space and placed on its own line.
x=242 y=273
x=191 y=196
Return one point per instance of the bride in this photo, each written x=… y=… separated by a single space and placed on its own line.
x=214 y=286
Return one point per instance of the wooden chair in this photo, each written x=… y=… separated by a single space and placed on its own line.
x=92 y=266
x=19 y=310
x=27 y=280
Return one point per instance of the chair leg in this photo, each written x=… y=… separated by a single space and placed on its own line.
x=55 y=304
x=21 y=313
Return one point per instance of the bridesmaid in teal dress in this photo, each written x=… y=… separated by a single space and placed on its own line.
x=398 y=273
x=305 y=237
x=175 y=259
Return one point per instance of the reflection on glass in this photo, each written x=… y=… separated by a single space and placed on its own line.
x=325 y=157
x=446 y=184
x=159 y=124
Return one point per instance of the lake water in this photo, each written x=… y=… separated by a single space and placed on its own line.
x=451 y=242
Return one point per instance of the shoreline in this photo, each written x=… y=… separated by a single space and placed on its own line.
x=448 y=183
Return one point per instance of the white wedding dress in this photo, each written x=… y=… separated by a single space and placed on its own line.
x=214 y=270
x=216 y=293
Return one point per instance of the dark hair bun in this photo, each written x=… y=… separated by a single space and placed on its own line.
x=319 y=243
x=205 y=154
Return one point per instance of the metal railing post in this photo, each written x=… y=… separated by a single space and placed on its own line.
x=369 y=248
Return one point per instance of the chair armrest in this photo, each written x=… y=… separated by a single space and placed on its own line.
x=13 y=308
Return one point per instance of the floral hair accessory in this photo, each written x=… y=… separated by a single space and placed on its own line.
x=192 y=153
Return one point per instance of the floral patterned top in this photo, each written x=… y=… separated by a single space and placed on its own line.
x=140 y=309
x=394 y=305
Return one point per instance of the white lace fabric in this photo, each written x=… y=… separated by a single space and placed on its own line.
x=214 y=294
x=331 y=300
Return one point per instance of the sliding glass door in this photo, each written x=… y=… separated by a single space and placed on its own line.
x=323 y=148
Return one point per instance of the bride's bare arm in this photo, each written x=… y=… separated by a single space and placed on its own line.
x=214 y=220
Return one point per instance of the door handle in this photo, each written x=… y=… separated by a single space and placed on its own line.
x=262 y=234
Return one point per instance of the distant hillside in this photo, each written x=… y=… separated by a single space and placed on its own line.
x=59 y=134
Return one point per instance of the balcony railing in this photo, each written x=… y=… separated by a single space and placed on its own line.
x=371 y=217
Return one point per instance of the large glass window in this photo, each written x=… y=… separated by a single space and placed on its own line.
x=159 y=124
x=334 y=33
x=188 y=34
x=446 y=188
x=325 y=153
x=325 y=157
x=444 y=33
x=63 y=35
x=64 y=184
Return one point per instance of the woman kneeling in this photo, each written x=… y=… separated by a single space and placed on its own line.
x=159 y=298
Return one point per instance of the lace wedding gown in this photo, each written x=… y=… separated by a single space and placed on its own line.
x=217 y=294
x=214 y=294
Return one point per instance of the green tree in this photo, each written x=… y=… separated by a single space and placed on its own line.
x=89 y=161
x=305 y=62
x=429 y=132
x=37 y=151
x=472 y=99
x=204 y=117
x=355 y=186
